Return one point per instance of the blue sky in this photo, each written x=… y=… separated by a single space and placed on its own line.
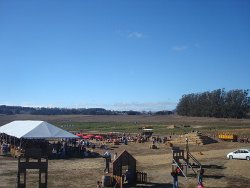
x=133 y=54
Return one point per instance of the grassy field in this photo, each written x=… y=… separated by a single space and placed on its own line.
x=132 y=124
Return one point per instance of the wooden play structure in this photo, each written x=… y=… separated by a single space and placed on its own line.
x=184 y=160
x=124 y=172
x=32 y=159
x=124 y=162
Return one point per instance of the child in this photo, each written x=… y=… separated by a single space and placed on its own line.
x=98 y=185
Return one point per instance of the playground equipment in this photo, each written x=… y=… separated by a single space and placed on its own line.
x=124 y=172
x=124 y=162
x=32 y=159
x=183 y=162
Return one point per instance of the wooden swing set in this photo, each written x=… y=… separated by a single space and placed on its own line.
x=182 y=160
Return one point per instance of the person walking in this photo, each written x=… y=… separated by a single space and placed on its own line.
x=107 y=157
x=115 y=156
x=200 y=175
x=174 y=174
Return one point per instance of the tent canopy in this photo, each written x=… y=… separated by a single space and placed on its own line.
x=34 y=130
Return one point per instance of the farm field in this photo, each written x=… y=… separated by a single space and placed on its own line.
x=219 y=171
x=131 y=124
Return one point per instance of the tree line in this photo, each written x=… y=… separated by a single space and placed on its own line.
x=218 y=103
x=12 y=110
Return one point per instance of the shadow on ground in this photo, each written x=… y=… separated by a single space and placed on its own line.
x=207 y=176
x=213 y=166
x=214 y=176
x=156 y=185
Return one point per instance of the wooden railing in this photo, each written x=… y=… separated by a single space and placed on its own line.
x=141 y=177
x=194 y=159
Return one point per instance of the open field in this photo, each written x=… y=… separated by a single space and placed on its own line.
x=219 y=171
x=124 y=123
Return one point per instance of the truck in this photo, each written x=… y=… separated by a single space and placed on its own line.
x=147 y=132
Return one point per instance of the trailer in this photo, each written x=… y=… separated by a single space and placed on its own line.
x=228 y=137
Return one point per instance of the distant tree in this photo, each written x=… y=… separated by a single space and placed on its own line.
x=163 y=112
x=218 y=103
x=9 y=110
x=131 y=112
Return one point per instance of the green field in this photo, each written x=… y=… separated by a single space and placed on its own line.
x=131 y=124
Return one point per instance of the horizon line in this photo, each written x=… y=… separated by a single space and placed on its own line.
x=89 y=107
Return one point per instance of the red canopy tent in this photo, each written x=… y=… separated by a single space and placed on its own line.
x=86 y=137
x=90 y=135
x=98 y=137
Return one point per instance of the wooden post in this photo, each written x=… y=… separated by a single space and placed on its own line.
x=187 y=150
x=27 y=164
x=121 y=185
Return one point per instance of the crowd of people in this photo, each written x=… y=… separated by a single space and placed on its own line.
x=134 y=138
x=57 y=149
x=66 y=148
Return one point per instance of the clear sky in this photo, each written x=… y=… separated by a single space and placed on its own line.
x=121 y=54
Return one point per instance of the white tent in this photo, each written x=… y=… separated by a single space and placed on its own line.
x=34 y=130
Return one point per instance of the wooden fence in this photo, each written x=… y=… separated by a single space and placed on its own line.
x=141 y=177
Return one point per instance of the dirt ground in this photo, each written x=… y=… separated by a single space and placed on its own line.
x=219 y=171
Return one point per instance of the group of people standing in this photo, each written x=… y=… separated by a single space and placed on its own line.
x=5 y=148
x=177 y=172
x=59 y=149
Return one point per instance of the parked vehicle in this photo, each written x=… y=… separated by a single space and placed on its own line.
x=239 y=154
x=147 y=132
